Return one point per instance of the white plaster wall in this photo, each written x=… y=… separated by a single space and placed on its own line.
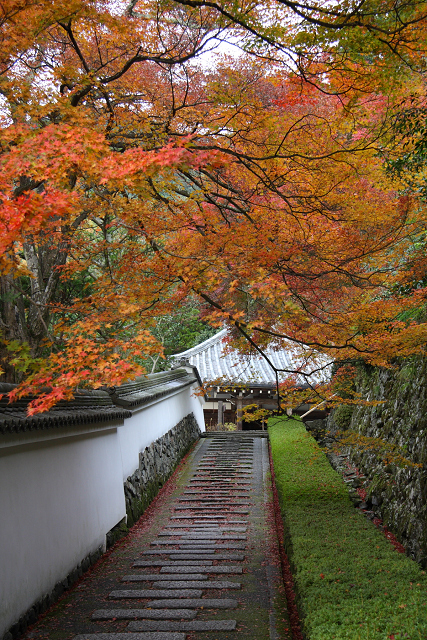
x=61 y=491
x=152 y=422
x=58 y=499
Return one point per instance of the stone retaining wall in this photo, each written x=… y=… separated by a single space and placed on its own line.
x=397 y=495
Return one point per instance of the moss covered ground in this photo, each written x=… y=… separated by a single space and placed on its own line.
x=350 y=582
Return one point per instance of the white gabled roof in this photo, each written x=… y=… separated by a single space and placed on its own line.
x=216 y=362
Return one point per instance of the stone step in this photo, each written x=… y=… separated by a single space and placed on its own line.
x=194 y=603
x=217 y=470
x=215 y=501
x=227 y=493
x=216 y=556
x=212 y=509
x=190 y=625
x=156 y=614
x=228 y=460
x=214 y=569
x=236 y=460
x=149 y=577
x=212 y=496
x=129 y=594
x=222 y=474
x=210 y=527
x=148 y=635
x=177 y=559
x=217 y=482
x=230 y=493
x=234 y=435
x=199 y=482
x=196 y=545
x=166 y=551
x=225 y=486
x=161 y=563
x=207 y=546
x=199 y=527
x=221 y=466
x=179 y=529
x=204 y=535
x=197 y=519
x=200 y=518
x=204 y=532
x=229 y=508
x=197 y=584
x=227 y=468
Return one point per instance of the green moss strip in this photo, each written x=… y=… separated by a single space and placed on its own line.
x=349 y=580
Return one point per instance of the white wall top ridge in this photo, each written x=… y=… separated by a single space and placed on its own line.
x=87 y=407
x=146 y=389
x=93 y=406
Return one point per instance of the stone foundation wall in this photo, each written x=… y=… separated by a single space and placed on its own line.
x=397 y=495
x=156 y=463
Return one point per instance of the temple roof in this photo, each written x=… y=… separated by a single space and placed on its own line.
x=214 y=361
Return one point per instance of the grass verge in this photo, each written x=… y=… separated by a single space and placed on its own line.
x=350 y=582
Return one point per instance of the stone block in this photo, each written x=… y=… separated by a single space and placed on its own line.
x=44 y=603
x=155 y=635
x=57 y=592
x=74 y=576
x=154 y=593
x=213 y=569
x=193 y=546
x=23 y=625
x=31 y=616
x=197 y=584
x=149 y=577
x=213 y=536
x=194 y=603
x=216 y=556
x=160 y=563
x=190 y=625
x=14 y=630
x=86 y=564
x=159 y=614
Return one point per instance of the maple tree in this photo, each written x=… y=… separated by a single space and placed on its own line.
x=133 y=177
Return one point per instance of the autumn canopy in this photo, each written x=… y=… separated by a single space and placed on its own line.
x=265 y=161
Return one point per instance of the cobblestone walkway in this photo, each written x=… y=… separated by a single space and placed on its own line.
x=206 y=568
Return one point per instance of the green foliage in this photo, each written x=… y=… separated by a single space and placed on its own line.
x=410 y=131
x=227 y=426
x=415 y=315
x=20 y=356
x=180 y=331
x=342 y=415
x=351 y=584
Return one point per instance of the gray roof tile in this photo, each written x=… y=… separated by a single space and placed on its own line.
x=92 y=406
x=215 y=362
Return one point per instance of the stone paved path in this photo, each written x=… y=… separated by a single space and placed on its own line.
x=206 y=568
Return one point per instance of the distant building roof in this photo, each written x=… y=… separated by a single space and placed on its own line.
x=214 y=361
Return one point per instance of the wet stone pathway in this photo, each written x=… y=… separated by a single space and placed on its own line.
x=208 y=568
